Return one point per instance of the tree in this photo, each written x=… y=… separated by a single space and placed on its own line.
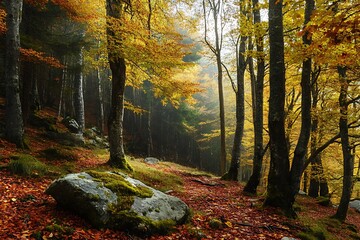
x=345 y=146
x=78 y=93
x=216 y=8
x=14 y=122
x=258 y=95
x=302 y=144
x=241 y=62
x=115 y=11
x=278 y=189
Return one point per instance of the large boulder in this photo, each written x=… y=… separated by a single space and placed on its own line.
x=114 y=200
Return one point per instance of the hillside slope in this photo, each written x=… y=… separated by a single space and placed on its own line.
x=220 y=210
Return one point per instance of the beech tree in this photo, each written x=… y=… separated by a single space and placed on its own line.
x=215 y=9
x=302 y=144
x=241 y=63
x=257 y=97
x=116 y=10
x=14 y=122
x=278 y=189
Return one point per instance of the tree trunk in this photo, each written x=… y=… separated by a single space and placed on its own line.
x=116 y=115
x=101 y=122
x=79 y=95
x=14 y=120
x=301 y=147
x=215 y=6
x=258 y=93
x=345 y=145
x=278 y=189
x=232 y=174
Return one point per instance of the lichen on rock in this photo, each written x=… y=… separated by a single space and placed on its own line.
x=114 y=200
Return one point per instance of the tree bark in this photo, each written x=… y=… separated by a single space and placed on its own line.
x=116 y=115
x=301 y=147
x=100 y=105
x=79 y=95
x=346 y=149
x=14 y=120
x=278 y=189
x=232 y=174
x=215 y=6
x=258 y=93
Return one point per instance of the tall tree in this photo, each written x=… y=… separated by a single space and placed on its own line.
x=78 y=93
x=14 y=120
x=345 y=145
x=241 y=63
x=278 y=189
x=216 y=8
x=114 y=11
x=302 y=144
x=258 y=95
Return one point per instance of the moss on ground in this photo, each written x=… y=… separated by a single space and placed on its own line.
x=27 y=165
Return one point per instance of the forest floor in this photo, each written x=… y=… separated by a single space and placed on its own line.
x=219 y=209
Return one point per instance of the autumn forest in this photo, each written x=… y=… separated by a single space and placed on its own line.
x=242 y=109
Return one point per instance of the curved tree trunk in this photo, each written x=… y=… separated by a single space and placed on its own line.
x=278 y=190
x=258 y=93
x=345 y=145
x=116 y=115
x=14 y=120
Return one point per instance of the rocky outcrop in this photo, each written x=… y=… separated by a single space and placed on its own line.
x=114 y=200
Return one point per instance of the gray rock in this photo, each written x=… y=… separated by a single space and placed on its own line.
x=355 y=204
x=81 y=194
x=151 y=160
x=301 y=192
x=87 y=196
x=288 y=238
x=71 y=124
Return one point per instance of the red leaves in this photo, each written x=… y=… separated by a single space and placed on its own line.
x=30 y=55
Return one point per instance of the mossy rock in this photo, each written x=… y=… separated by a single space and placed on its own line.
x=114 y=200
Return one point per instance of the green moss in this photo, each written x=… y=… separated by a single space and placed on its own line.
x=27 y=165
x=126 y=192
x=323 y=201
x=120 y=163
x=59 y=154
x=318 y=230
x=156 y=178
x=61 y=230
x=119 y=185
x=141 y=225
x=215 y=223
